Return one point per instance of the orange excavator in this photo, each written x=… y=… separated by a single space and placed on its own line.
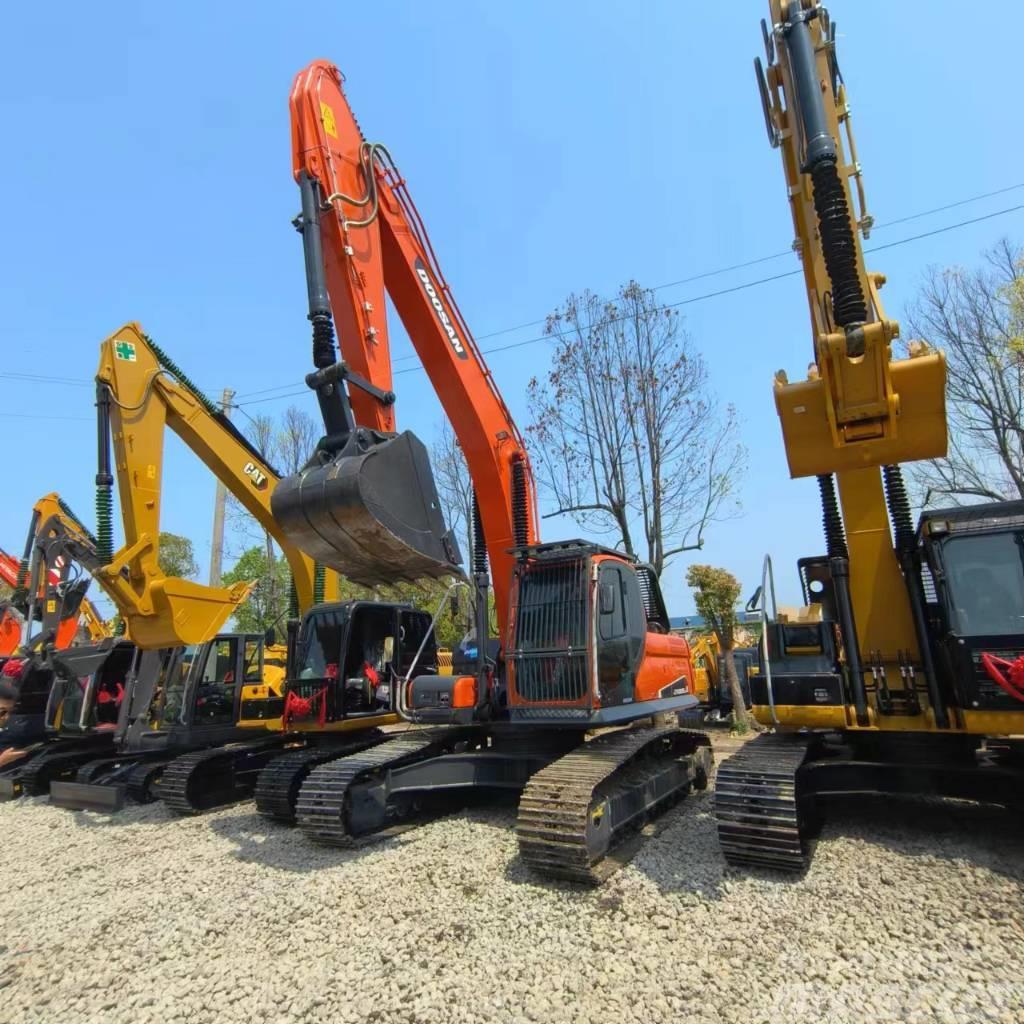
x=584 y=637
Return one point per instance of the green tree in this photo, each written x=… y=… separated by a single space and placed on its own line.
x=716 y=593
x=267 y=604
x=177 y=556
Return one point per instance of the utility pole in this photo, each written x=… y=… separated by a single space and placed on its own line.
x=217 y=545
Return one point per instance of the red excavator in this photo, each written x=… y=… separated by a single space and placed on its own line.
x=584 y=637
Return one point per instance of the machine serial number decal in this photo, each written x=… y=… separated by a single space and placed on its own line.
x=435 y=301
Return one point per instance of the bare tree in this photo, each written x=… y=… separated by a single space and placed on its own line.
x=977 y=318
x=629 y=437
x=454 y=487
x=295 y=440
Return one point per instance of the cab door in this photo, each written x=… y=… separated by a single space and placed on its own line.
x=619 y=632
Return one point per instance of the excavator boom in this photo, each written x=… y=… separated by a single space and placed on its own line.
x=362 y=238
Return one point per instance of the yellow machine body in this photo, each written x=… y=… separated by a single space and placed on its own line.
x=859 y=408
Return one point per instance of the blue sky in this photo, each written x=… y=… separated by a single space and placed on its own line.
x=549 y=147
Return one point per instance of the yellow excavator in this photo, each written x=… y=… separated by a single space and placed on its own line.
x=76 y=705
x=79 y=617
x=44 y=615
x=904 y=671
x=141 y=392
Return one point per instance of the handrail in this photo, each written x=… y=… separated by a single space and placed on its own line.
x=768 y=586
x=403 y=681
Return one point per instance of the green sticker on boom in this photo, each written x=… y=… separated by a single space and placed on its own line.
x=125 y=350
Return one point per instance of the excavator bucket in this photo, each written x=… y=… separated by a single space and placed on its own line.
x=371 y=511
x=185 y=612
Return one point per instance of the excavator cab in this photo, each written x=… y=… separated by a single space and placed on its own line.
x=590 y=638
x=348 y=658
x=975 y=567
x=199 y=692
x=90 y=686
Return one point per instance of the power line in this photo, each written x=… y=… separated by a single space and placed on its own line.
x=38 y=378
x=79 y=382
x=680 y=281
x=706 y=295
x=772 y=256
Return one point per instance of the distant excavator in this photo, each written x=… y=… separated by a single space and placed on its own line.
x=222 y=707
x=71 y=702
x=78 y=611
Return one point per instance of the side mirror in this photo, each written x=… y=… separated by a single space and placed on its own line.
x=607 y=599
x=755 y=600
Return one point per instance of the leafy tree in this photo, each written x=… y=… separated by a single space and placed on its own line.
x=628 y=436
x=177 y=556
x=267 y=604
x=977 y=318
x=716 y=592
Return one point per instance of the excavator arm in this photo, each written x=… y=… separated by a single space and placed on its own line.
x=140 y=392
x=45 y=589
x=859 y=406
x=860 y=413
x=362 y=238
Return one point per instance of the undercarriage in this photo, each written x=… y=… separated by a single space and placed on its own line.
x=771 y=796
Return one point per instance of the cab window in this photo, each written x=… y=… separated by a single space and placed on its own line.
x=215 y=694
x=253 y=660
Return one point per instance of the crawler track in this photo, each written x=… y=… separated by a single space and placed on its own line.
x=139 y=781
x=329 y=808
x=35 y=777
x=760 y=820
x=203 y=779
x=278 y=785
x=583 y=806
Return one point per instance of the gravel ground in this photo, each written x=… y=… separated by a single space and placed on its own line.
x=911 y=912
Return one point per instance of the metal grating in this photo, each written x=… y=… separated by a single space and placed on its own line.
x=522 y=714
x=928 y=583
x=549 y=651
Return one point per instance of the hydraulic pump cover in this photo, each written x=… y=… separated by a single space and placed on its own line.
x=371 y=511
